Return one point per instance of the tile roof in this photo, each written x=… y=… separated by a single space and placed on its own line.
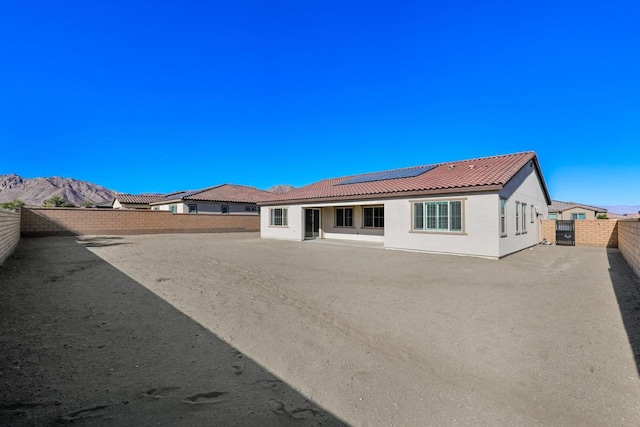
x=138 y=198
x=221 y=193
x=455 y=177
x=558 y=206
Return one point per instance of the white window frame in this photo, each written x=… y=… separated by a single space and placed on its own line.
x=503 y=217
x=553 y=215
x=341 y=213
x=374 y=217
x=517 y=217
x=278 y=217
x=195 y=208
x=431 y=212
x=576 y=216
x=533 y=213
x=173 y=209
x=524 y=218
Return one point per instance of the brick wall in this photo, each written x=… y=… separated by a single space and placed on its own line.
x=629 y=243
x=597 y=232
x=73 y=221
x=549 y=230
x=9 y=232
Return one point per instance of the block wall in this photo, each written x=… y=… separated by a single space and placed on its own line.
x=597 y=232
x=629 y=243
x=73 y=221
x=9 y=232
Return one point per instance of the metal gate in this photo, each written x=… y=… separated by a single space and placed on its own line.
x=565 y=232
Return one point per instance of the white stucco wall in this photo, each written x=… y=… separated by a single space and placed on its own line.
x=480 y=227
x=357 y=231
x=294 y=230
x=525 y=187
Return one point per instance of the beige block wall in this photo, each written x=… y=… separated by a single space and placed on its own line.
x=9 y=232
x=599 y=232
x=629 y=243
x=70 y=221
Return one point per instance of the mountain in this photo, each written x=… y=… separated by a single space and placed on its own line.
x=34 y=191
x=623 y=209
x=281 y=189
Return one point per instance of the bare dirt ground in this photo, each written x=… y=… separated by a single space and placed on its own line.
x=234 y=330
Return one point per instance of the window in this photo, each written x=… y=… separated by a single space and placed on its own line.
x=553 y=216
x=248 y=208
x=517 y=217
x=373 y=217
x=533 y=213
x=278 y=217
x=344 y=217
x=224 y=209
x=503 y=217
x=172 y=208
x=575 y=216
x=524 y=217
x=437 y=216
x=193 y=209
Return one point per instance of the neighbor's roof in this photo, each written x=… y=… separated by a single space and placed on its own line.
x=558 y=206
x=138 y=198
x=220 y=193
x=487 y=173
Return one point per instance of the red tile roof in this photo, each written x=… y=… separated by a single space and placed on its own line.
x=139 y=198
x=221 y=193
x=452 y=177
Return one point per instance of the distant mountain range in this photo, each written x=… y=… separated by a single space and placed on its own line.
x=34 y=191
x=623 y=209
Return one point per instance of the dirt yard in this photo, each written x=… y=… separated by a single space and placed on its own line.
x=229 y=329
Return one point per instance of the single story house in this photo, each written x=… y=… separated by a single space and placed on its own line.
x=220 y=199
x=571 y=210
x=135 y=201
x=488 y=207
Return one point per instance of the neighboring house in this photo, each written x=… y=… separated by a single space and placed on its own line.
x=488 y=207
x=135 y=201
x=221 y=199
x=575 y=211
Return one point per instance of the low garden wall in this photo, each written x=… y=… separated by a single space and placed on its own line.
x=38 y=222
x=629 y=243
x=596 y=232
x=9 y=232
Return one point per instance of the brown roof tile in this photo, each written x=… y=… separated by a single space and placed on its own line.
x=139 y=198
x=223 y=193
x=458 y=176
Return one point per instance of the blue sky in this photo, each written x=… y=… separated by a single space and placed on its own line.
x=160 y=96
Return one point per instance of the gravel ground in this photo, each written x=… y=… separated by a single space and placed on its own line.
x=230 y=329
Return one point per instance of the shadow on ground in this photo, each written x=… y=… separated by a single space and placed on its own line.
x=83 y=343
x=627 y=288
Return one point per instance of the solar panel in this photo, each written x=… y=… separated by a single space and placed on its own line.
x=383 y=176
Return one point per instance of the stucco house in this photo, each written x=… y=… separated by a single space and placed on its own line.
x=220 y=199
x=575 y=211
x=488 y=207
x=135 y=201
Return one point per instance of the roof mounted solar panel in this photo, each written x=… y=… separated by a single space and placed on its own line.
x=385 y=175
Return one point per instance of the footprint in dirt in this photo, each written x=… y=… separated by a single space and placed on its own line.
x=207 y=397
x=237 y=370
x=93 y=411
x=159 y=393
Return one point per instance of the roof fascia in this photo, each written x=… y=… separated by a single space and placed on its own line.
x=396 y=195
